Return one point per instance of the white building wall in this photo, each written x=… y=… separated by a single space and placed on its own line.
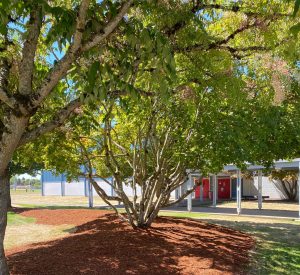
x=52 y=188
x=173 y=194
x=74 y=188
x=249 y=188
x=129 y=191
x=79 y=188
x=270 y=188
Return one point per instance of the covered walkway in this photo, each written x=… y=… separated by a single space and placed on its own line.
x=281 y=164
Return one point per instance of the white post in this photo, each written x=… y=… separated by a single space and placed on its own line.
x=91 y=199
x=299 y=189
x=239 y=192
x=189 y=199
x=259 y=197
x=215 y=190
x=201 y=191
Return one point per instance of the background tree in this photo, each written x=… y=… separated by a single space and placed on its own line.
x=288 y=181
x=146 y=144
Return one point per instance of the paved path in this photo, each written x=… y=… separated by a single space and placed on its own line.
x=245 y=212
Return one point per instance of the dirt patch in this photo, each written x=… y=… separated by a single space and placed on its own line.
x=105 y=245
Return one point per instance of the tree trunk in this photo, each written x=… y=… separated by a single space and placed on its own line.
x=4 y=183
x=9 y=206
x=14 y=128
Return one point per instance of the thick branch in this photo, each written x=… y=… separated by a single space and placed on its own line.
x=50 y=125
x=236 y=8
x=9 y=101
x=4 y=75
x=61 y=67
x=28 y=52
x=109 y=28
x=201 y=6
x=102 y=193
x=223 y=41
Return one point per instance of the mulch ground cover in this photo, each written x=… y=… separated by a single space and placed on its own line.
x=102 y=244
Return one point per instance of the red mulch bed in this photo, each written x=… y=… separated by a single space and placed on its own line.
x=102 y=244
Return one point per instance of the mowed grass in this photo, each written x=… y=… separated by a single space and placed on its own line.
x=267 y=205
x=14 y=219
x=24 y=230
x=278 y=240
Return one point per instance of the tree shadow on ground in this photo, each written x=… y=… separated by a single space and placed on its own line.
x=108 y=246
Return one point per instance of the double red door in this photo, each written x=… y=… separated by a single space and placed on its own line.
x=205 y=183
x=223 y=189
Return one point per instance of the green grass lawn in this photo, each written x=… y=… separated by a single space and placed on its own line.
x=24 y=230
x=14 y=219
x=278 y=241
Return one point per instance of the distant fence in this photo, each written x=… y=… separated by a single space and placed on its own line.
x=27 y=188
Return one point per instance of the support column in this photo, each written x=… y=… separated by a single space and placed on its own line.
x=62 y=185
x=259 y=197
x=189 y=199
x=43 y=187
x=299 y=190
x=91 y=198
x=201 y=191
x=239 y=192
x=215 y=190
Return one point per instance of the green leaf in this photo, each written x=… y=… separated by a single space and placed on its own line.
x=295 y=29
x=92 y=75
x=296 y=7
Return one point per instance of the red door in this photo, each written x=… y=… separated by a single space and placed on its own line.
x=205 y=183
x=224 y=188
x=197 y=190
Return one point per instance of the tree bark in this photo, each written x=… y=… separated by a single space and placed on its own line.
x=4 y=183
x=14 y=129
x=8 y=194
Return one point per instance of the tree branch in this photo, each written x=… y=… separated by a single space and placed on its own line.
x=61 y=67
x=50 y=125
x=236 y=8
x=109 y=28
x=223 y=41
x=9 y=101
x=29 y=50
x=5 y=67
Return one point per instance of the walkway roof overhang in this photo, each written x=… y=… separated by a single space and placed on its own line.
x=280 y=164
x=283 y=164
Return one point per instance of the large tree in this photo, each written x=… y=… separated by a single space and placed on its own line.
x=44 y=46
x=57 y=55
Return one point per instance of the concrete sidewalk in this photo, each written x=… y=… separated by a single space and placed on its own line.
x=267 y=213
